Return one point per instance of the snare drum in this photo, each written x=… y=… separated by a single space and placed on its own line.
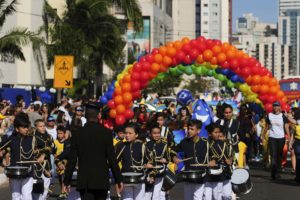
x=241 y=183
x=17 y=172
x=133 y=177
x=169 y=180
x=215 y=171
x=38 y=186
x=193 y=176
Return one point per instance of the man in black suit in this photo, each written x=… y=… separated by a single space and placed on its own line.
x=92 y=147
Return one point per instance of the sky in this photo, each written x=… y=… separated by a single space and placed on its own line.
x=265 y=10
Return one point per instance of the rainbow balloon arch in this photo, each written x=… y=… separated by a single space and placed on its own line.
x=200 y=56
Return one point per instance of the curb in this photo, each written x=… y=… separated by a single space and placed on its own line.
x=3 y=178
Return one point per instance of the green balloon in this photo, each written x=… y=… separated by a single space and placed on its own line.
x=179 y=72
x=173 y=71
x=230 y=84
x=198 y=71
x=221 y=77
x=181 y=67
x=188 y=70
x=209 y=72
x=161 y=76
x=214 y=73
x=205 y=71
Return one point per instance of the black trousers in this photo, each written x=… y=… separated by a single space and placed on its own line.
x=93 y=194
x=276 y=151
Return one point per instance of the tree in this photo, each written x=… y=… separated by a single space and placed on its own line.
x=11 y=43
x=199 y=85
x=88 y=31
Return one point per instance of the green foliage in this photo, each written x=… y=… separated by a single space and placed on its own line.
x=198 y=85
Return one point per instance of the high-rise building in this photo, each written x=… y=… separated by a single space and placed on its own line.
x=213 y=19
x=289 y=31
x=260 y=41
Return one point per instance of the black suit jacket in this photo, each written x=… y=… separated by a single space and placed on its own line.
x=92 y=145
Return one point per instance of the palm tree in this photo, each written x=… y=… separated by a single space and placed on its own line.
x=88 y=31
x=11 y=43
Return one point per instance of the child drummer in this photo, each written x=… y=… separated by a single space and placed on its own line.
x=132 y=156
x=195 y=151
x=157 y=153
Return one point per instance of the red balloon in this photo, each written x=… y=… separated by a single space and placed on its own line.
x=146 y=66
x=201 y=39
x=186 y=48
x=155 y=51
x=263 y=98
x=194 y=54
x=136 y=94
x=135 y=76
x=129 y=114
x=137 y=67
x=194 y=43
x=135 y=85
x=234 y=64
x=286 y=107
x=144 y=76
x=271 y=99
x=187 y=60
x=225 y=65
x=252 y=62
x=111 y=104
x=255 y=70
x=174 y=62
x=209 y=43
x=246 y=72
x=238 y=71
x=244 y=62
x=180 y=55
x=268 y=107
x=150 y=58
x=201 y=47
x=120 y=119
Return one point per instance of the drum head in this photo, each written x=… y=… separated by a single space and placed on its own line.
x=131 y=174
x=17 y=167
x=239 y=176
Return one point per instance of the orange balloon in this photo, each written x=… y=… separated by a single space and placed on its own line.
x=158 y=58
x=126 y=87
x=273 y=90
x=256 y=80
x=163 y=68
x=167 y=61
x=112 y=113
x=225 y=46
x=118 y=90
x=177 y=45
x=240 y=54
x=265 y=80
x=171 y=51
x=200 y=59
x=127 y=97
x=284 y=99
x=221 y=57
x=230 y=54
x=162 y=50
x=120 y=109
x=264 y=89
x=170 y=44
x=280 y=94
x=152 y=74
x=127 y=78
x=185 y=40
x=207 y=55
x=130 y=70
x=213 y=61
x=273 y=82
x=249 y=80
x=255 y=88
x=155 y=67
x=118 y=99
x=216 y=49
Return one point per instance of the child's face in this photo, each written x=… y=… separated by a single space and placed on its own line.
x=22 y=130
x=160 y=121
x=193 y=131
x=60 y=135
x=155 y=134
x=40 y=127
x=222 y=136
x=131 y=135
x=215 y=134
x=121 y=135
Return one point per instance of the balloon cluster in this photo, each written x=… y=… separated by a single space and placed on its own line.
x=198 y=56
x=108 y=95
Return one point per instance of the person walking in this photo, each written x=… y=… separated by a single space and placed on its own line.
x=278 y=125
x=92 y=147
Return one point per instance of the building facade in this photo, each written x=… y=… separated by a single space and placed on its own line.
x=289 y=31
x=260 y=40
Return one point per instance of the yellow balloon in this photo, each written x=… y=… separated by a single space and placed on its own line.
x=243 y=88
x=117 y=84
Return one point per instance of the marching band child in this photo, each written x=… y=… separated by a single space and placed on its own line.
x=157 y=154
x=195 y=151
x=132 y=156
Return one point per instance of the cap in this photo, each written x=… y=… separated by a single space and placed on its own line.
x=78 y=108
x=50 y=119
x=2 y=116
x=276 y=103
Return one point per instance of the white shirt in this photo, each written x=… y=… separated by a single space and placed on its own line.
x=276 y=125
x=52 y=132
x=67 y=115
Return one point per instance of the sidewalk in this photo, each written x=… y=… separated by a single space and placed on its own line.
x=2 y=176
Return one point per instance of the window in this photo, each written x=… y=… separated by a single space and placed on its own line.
x=205 y=14
x=215 y=14
x=205 y=5
x=205 y=31
x=215 y=5
x=205 y=22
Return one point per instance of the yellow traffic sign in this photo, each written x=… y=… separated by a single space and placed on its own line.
x=63 y=71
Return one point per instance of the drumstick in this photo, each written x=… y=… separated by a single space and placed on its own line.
x=186 y=159
x=28 y=161
x=199 y=165
x=5 y=145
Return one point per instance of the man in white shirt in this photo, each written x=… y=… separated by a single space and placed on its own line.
x=51 y=130
x=278 y=126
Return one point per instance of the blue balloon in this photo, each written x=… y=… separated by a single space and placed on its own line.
x=230 y=73
x=109 y=94
x=184 y=97
x=111 y=88
x=241 y=80
x=225 y=72
x=103 y=100
x=235 y=78
x=218 y=70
